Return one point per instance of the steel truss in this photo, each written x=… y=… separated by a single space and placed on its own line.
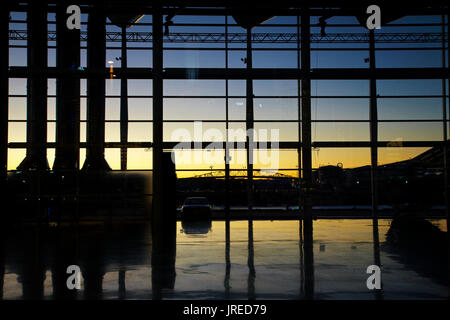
x=183 y=37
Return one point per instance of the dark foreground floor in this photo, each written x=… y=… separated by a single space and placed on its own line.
x=261 y=259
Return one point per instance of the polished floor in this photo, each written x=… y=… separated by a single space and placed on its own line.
x=260 y=260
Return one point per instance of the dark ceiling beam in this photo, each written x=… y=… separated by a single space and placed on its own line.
x=291 y=8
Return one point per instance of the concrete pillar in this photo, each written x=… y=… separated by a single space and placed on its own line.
x=306 y=154
x=4 y=90
x=36 y=158
x=164 y=232
x=67 y=95
x=157 y=113
x=96 y=60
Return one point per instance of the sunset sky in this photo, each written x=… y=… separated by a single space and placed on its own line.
x=283 y=109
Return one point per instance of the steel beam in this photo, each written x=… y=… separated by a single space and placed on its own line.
x=123 y=104
x=266 y=37
x=220 y=8
x=227 y=149
x=445 y=124
x=238 y=145
x=373 y=117
x=256 y=73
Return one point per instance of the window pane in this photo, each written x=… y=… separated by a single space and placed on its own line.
x=112 y=132
x=140 y=109
x=112 y=156
x=112 y=109
x=17 y=108
x=276 y=131
x=194 y=109
x=15 y=157
x=340 y=131
x=275 y=109
x=340 y=109
x=140 y=132
x=348 y=157
x=190 y=131
x=17 y=132
x=410 y=131
x=139 y=158
x=194 y=87
x=410 y=109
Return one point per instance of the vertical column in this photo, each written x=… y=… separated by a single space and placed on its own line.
x=374 y=154
x=95 y=152
x=164 y=233
x=157 y=112
x=164 y=177
x=373 y=125
x=67 y=95
x=249 y=149
x=306 y=153
x=446 y=179
x=4 y=91
x=36 y=158
x=444 y=118
x=227 y=149
x=249 y=121
x=124 y=103
x=299 y=110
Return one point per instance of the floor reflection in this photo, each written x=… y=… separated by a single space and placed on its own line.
x=196 y=227
x=226 y=260
x=421 y=245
